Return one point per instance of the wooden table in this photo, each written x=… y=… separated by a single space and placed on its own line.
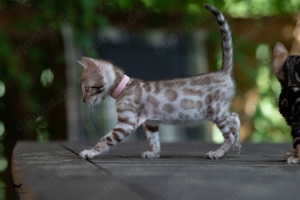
x=54 y=171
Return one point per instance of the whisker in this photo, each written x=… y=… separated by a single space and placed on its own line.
x=93 y=109
x=85 y=109
x=77 y=79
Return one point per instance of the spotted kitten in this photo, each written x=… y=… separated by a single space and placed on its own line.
x=177 y=101
x=287 y=70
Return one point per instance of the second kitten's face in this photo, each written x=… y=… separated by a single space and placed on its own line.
x=291 y=70
x=287 y=67
x=92 y=82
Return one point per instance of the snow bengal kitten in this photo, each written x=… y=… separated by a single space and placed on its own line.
x=177 y=101
x=287 y=70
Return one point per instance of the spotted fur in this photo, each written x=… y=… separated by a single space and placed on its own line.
x=287 y=70
x=178 y=101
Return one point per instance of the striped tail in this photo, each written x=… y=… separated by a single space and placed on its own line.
x=227 y=50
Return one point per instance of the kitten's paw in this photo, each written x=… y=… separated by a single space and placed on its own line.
x=288 y=155
x=292 y=159
x=150 y=154
x=89 y=154
x=215 y=154
x=236 y=149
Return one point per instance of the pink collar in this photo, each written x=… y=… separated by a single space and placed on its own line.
x=120 y=87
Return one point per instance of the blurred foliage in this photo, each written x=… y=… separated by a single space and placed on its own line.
x=267 y=121
x=26 y=25
x=32 y=59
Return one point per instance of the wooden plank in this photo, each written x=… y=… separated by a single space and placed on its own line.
x=182 y=172
x=48 y=171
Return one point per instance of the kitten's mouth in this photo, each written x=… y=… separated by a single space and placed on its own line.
x=94 y=102
x=97 y=100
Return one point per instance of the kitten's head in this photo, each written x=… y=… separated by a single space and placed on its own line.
x=286 y=67
x=93 y=83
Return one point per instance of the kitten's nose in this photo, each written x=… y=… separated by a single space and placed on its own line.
x=84 y=100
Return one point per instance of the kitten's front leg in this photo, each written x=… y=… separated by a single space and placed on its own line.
x=122 y=130
x=153 y=139
x=294 y=157
x=100 y=149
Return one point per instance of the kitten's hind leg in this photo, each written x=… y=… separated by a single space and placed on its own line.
x=225 y=126
x=153 y=139
x=235 y=129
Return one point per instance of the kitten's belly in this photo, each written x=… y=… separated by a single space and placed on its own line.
x=178 y=118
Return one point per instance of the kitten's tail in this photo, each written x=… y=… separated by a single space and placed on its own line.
x=227 y=50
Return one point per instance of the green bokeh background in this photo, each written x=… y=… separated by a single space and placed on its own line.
x=32 y=61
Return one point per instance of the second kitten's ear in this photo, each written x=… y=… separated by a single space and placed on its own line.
x=280 y=55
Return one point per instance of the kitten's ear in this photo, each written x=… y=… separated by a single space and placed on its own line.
x=81 y=63
x=280 y=55
x=90 y=64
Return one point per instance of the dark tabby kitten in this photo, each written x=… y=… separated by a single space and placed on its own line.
x=287 y=70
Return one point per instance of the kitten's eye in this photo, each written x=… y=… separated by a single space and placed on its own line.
x=97 y=89
x=86 y=88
